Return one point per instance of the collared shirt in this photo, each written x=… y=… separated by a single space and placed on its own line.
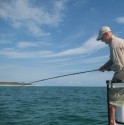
x=116 y=61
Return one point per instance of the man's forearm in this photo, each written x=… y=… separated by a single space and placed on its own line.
x=108 y=64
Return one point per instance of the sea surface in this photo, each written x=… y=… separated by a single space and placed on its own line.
x=38 y=105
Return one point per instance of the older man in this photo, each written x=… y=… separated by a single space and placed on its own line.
x=115 y=63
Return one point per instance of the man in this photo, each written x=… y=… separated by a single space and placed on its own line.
x=115 y=63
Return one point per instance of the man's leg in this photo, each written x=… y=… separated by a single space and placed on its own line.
x=112 y=115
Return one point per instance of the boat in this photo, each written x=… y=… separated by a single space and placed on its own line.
x=119 y=113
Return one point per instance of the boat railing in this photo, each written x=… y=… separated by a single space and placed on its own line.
x=115 y=84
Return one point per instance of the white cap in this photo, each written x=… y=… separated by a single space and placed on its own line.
x=103 y=30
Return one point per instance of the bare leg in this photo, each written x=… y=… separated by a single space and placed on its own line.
x=112 y=115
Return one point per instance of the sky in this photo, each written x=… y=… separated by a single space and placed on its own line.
x=46 y=38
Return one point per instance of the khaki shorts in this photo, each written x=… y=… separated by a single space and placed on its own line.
x=116 y=95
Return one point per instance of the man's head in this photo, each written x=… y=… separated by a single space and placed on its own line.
x=105 y=34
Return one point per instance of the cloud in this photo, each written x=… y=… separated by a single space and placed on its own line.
x=120 y=20
x=24 y=14
x=96 y=59
x=89 y=46
x=13 y=53
x=26 y=44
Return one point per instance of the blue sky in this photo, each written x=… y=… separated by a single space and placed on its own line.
x=40 y=39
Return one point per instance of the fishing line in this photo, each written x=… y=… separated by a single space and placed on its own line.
x=64 y=75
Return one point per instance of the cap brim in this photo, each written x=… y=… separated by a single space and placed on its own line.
x=98 y=38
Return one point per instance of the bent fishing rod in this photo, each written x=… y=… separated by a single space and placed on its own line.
x=64 y=75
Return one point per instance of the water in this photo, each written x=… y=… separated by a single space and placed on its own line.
x=53 y=105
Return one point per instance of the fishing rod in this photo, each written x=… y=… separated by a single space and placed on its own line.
x=64 y=75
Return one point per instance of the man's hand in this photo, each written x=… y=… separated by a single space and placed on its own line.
x=104 y=68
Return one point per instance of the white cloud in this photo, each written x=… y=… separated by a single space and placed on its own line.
x=23 y=13
x=12 y=53
x=88 y=47
x=26 y=44
x=120 y=20
x=95 y=59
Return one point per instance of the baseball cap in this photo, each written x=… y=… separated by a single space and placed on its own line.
x=103 y=30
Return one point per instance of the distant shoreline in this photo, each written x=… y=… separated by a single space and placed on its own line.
x=14 y=84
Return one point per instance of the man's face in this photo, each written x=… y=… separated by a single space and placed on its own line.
x=105 y=38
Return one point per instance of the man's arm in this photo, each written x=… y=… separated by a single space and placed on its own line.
x=106 y=66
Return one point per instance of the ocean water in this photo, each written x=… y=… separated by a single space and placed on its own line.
x=36 y=105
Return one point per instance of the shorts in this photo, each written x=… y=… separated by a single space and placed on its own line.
x=116 y=95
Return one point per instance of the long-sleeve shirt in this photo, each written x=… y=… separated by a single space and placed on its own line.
x=116 y=61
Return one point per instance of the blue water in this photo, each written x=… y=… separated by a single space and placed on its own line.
x=53 y=105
